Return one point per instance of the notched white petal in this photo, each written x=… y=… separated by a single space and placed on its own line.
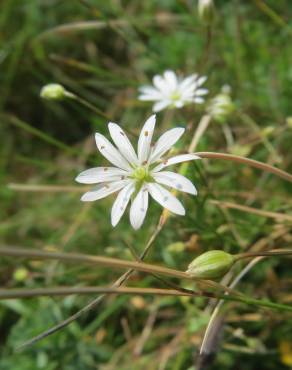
x=176 y=181
x=174 y=160
x=171 y=79
x=121 y=202
x=160 y=105
x=110 y=152
x=144 y=142
x=101 y=174
x=122 y=142
x=165 y=142
x=139 y=208
x=103 y=190
x=161 y=84
x=201 y=80
x=165 y=198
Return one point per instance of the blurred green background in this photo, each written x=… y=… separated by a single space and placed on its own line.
x=104 y=53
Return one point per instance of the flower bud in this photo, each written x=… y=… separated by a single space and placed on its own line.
x=53 y=92
x=289 y=122
x=20 y=274
x=221 y=106
x=206 y=10
x=211 y=265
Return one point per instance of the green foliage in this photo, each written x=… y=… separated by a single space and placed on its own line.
x=45 y=142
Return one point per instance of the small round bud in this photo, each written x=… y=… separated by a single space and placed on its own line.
x=221 y=106
x=20 y=274
x=206 y=10
x=289 y=122
x=211 y=265
x=177 y=247
x=53 y=92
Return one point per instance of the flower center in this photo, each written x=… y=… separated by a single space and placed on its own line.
x=140 y=173
x=176 y=95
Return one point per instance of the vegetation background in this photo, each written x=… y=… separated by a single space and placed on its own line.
x=118 y=46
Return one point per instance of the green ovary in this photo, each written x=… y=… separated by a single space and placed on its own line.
x=141 y=175
x=175 y=96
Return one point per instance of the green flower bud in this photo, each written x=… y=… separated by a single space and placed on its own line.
x=289 y=122
x=211 y=265
x=53 y=92
x=206 y=10
x=221 y=106
x=20 y=274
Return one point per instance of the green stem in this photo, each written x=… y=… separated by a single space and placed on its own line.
x=86 y=104
x=271 y=253
x=250 y=162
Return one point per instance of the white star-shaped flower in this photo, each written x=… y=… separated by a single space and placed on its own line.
x=171 y=91
x=136 y=176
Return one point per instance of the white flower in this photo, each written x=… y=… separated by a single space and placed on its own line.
x=136 y=176
x=221 y=106
x=171 y=91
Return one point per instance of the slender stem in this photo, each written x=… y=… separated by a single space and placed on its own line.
x=63 y=291
x=202 y=127
x=260 y=212
x=46 y=188
x=106 y=261
x=271 y=253
x=270 y=13
x=258 y=302
x=86 y=104
x=60 y=291
x=250 y=162
x=103 y=261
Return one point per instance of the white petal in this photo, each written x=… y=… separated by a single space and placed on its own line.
x=121 y=202
x=149 y=93
x=201 y=80
x=187 y=82
x=100 y=174
x=160 y=105
x=199 y=100
x=200 y=92
x=123 y=143
x=165 y=142
x=161 y=84
x=176 y=181
x=145 y=97
x=110 y=152
x=166 y=199
x=171 y=79
x=179 y=103
x=176 y=159
x=103 y=190
x=144 y=142
x=139 y=208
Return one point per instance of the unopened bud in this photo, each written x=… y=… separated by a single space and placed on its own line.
x=211 y=265
x=289 y=122
x=221 y=106
x=206 y=10
x=54 y=92
x=20 y=274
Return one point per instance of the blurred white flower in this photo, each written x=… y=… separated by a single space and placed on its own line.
x=171 y=91
x=221 y=106
x=53 y=91
x=206 y=10
x=136 y=176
